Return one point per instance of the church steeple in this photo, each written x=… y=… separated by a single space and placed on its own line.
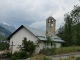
x=50 y=25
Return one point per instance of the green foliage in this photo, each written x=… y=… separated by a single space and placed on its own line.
x=67 y=50
x=8 y=54
x=70 y=31
x=48 y=51
x=17 y=55
x=4 y=45
x=20 y=55
x=45 y=58
x=49 y=40
x=13 y=58
x=78 y=58
x=28 y=47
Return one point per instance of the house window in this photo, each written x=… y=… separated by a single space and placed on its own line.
x=25 y=38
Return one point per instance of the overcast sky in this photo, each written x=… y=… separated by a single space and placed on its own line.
x=34 y=13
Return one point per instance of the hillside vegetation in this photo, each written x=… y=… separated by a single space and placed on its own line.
x=70 y=31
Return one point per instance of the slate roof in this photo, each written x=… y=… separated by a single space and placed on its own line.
x=40 y=34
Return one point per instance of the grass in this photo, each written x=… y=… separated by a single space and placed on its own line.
x=64 y=50
x=67 y=50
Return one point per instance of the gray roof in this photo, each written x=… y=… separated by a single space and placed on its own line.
x=40 y=34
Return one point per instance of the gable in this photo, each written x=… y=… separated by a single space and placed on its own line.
x=21 y=34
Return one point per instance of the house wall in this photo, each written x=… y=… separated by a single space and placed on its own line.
x=19 y=36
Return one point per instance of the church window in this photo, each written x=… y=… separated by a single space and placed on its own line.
x=25 y=38
x=48 y=21
x=51 y=23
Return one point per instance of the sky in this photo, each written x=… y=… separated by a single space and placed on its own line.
x=34 y=13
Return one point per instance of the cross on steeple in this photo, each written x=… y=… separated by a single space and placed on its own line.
x=51 y=13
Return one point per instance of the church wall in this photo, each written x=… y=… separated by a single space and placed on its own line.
x=58 y=45
x=19 y=36
x=41 y=46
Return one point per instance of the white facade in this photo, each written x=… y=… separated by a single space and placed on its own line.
x=19 y=36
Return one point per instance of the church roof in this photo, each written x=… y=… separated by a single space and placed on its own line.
x=40 y=34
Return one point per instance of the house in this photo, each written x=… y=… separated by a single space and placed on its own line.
x=34 y=35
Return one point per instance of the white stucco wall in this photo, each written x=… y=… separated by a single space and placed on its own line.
x=19 y=36
x=42 y=45
x=58 y=45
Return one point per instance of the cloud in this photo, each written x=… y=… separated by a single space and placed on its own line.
x=5 y=23
x=39 y=25
x=34 y=12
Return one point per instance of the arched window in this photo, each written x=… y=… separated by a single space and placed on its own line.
x=51 y=23
x=48 y=22
x=25 y=38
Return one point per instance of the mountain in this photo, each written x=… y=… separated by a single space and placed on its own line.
x=4 y=32
x=8 y=27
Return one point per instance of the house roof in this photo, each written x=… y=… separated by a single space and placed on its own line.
x=40 y=34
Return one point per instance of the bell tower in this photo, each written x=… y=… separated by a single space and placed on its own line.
x=50 y=25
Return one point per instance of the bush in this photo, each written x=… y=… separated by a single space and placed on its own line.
x=13 y=58
x=48 y=51
x=23 y=55
x=45 y=58
x=8 y=54
x=28 y=46
x=20 y=55
x=78 y=58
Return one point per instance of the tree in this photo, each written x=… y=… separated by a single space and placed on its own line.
x=4 y=46
x=49 y=40
x=70 y=31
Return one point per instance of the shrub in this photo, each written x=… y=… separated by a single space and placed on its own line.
x=78 y=58
x=13 y=58
x=20 y=55
x=47 y=51
x=23 y=55
x=28 y=46
x=8 y=54
x=45 y=58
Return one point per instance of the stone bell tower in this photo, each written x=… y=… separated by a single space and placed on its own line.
x=50 y=25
